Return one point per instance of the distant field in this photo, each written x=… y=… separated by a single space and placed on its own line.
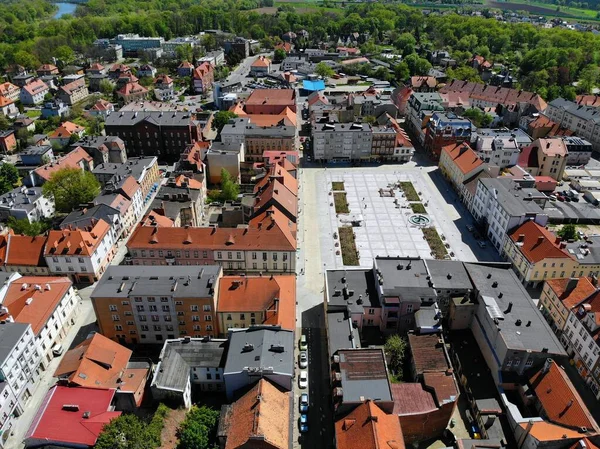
x=544 y=9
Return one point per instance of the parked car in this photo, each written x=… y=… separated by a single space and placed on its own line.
x=304 y=403
x=303 y=343
x=481 y=244
x=303 y=359
x=303 y=424
x=560 y=197
x=57 y=350
x=303 y=379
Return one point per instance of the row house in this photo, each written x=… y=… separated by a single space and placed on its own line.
x=203 y=78
x=23 y=254
x=500 y=148
x=26 y=203
x=103 y=149
x=49 y=305
x=163 y=134
x=580 y=339
x=500 y=205
x=419 y=110
x=538 y=255
x=582 y=120
x=390 y=143
x=459 y=163
x=144 y=171
x=19 y=370
x=132 y=92
x=81 y=254
x=8 y=107
x=74 y=92
x=545 y=157
x=265 y=247
x=88 y=216
x=341 y=141
x=65 y=133
x=153 y=304
x=445 y=129
x=245 y=301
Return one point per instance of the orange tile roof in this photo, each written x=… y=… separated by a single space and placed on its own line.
x=202 y=70
x=257 y=294
x=155 y=219
x=280 y=194
x=537 y=243
x=102 y=105
x=418 y=81
x=261 y=61
x=23 y=250
x=551 y=147
x=44 y=301
x=369 y=427
x=286 y=118
x=96 y=66
x=191 y=183
x=97 y=362
x=132 y=89
x=277 y=172
x=163 y=78
x=588 y=100
x=35 y=86
x=263 y=413
x=570 y=299
x=47 y=68
x=546 y=431
x=5 y=101
x=129 y=187
x=558 y=397
x=273 y=216
x=76 y=242
x=271 y=97
x=463 y=156
x=257 y=236
x=4 y=246
x=285 y=46
x=66 y=130
x=186 y=65
x=7 y=88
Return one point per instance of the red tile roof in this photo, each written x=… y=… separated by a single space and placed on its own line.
x=262 y=414
x=202 y=70
x=463 y=156
x=43 y=301
x=274 y=217
x=419 y=81
x=278 y=173
x=494 y=94
x=66 y=130
x=258 y=294
x=280 y=194
x=588 y=100
x=5 y=101
x=72 y=86
x=570 y=298
x=35 y=86
x=23 y=250
x=47 y=68
x=132 y=89
x=268 y=236
x=102 y=105
x=155 y=219
x=537 y=243
x=7 y=88
x=186 y=65
x=443 y=386
x=261 y=61
x=97 y=362
x=54 y=423
x=280 y=97
x=559 y=399
x=412 y=398
x=76 y=242
x=428 y=354
x=369 y=427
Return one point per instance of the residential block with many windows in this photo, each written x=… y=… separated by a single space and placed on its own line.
x=138 y=304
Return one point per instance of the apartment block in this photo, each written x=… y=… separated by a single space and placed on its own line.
x=342 y=141
x=154 y=304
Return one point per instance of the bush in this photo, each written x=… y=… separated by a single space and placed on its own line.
x=198 y=430
x=435 y=243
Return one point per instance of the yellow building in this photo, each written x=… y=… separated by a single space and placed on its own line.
x=559 y=296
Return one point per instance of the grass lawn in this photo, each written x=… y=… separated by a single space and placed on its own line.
x=341 y=205
x=348 y=246
x=435 y=242
x=337 y=185
x=418 y=208
x=33 y=113
x=409 y=191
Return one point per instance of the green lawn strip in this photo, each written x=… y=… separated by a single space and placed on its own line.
x=435 y=242
x=409 y=191
x=348 y=246
x=418 y=208
x=341 y=205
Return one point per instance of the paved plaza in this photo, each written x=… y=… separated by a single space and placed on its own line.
x=385 y=228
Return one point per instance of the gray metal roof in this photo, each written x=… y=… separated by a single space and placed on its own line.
x=586 y=252
x=364 y=375
x=489 y=282
x=512 y=199
x=178 y=356
x=404 y=277
x=21 y=198
x=344 y=287
x=261 y=348
x=101 y=211
x=448 y=274
x=581 y=111
x=178 y=282
x=340 y=332
x=35 y=150
x=160 y=118
x=10 y=334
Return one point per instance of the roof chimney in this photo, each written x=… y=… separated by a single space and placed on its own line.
x=509 y=308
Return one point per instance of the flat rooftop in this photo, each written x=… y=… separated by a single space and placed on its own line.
x=352 y=288
x=364 y=375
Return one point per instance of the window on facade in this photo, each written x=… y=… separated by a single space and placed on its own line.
x=116 y=318
x=112 y=308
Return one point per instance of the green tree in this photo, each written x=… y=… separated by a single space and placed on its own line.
x=229 y=189
x=10 y=173
x=279 y=55
x=588 y=78
x=184 y=52
x=198 y=429
x=395 y=348
x=568 y=232
x=23 y=226
x=464 y=73
x=106 y=88
x=322 y=69
x=221 y=118
x=65 y=54
x=4 y=122
x=478 y=117
x=124 y=432
x=71 y=187
x=417 y=65
x=402 y=72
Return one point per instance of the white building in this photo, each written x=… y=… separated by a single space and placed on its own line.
x=583 y=120
x=19 y=370
x=26 y=203
x=34 y=93
x=500 y=205
x=579 y=340
x=500 y=148
x=50 y=309
x=342 y=141
x=81 y=254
